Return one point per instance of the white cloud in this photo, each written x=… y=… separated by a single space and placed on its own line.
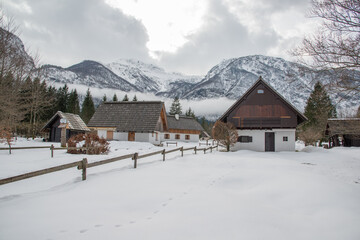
x=66 y=32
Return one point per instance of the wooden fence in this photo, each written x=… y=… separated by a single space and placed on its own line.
x=52 y=148
x=83 y=165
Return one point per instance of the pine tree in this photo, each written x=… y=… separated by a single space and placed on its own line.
x=135 y=98
x=88 y=108
x=115 y=99
x=175 y=107
x=73 y=105
x=62 y=98
x=104 y=98
x=190 y=113
x=126 y=98
x=318 y=109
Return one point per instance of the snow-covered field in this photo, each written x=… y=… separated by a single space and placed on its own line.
x=311 y=194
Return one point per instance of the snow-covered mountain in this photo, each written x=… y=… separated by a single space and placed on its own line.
x=230 y=79
x=88 y=73
x=13 y=53
x=148 y=77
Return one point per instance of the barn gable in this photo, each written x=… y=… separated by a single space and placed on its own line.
x=261 y=107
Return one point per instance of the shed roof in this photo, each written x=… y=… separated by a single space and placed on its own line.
x=74 y=121
x=142 y=116
x=184 y=123
x=344 y=126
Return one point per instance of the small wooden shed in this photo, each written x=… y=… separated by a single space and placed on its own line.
x=343 y=132
x=71 y=122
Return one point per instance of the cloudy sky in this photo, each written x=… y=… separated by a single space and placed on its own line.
x=180 y=35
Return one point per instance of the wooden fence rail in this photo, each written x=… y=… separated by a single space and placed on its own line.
x=83 y=165
x=39 y=172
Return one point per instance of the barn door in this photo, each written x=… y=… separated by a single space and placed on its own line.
x=269 y=142
x=109 y=135
x=131 y=136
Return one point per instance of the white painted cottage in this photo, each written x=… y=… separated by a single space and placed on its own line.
x=142 y=121
x=265 y=121
x=182 y=128
x=130 y=121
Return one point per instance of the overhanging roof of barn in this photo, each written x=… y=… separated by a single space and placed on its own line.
x=74 y=121
x=140 y=116
x=342 y=126
x=301 y=117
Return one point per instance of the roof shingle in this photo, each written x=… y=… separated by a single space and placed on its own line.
x=128 y=116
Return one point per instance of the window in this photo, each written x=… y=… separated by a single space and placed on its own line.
x=245 y=139
x=187 y=137
x=167 y=136
x=177 y=136
x=260 y=91
x=285 y=139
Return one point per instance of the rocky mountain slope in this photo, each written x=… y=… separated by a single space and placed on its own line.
x=229 y=79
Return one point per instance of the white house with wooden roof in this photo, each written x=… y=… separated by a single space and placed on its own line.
x=182 y=128
x=265 y=121
x=142 y=121
x=130 y=121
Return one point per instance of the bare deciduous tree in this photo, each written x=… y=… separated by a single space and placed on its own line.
x=225 y=133
x=336 y=45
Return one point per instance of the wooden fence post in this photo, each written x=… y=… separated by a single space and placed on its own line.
x=217 y=147
x=135 y=157
x=52 y=150
x=204 y=150
x=163 y=153
x=182 y=151
x=195 y=149
x=211 y=149
x=9 y=148
x=84 y=166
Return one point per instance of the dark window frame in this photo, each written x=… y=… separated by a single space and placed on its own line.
x=245 y=139
x=285 y=139
x=177 y=136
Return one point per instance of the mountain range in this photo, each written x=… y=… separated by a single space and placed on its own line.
x=228 y=79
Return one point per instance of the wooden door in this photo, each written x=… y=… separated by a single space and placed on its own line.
x=109 y=135
x=269 y=142
x=131 y=136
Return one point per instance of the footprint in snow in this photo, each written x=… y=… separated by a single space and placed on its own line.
x=98 y=225
x=83 y=231
x=118 y=225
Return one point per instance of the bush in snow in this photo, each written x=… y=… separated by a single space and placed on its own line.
x=5 y=136
x=90 y=143
x=225 y=134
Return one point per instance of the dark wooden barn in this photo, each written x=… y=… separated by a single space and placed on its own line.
x=343 y=132
x=265 y=120
x=72 y=122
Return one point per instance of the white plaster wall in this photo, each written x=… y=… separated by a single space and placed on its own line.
x=257 y=144
x=152 y=138
x=121 y=136
x=101 y=133
x=280 y=145
x=258 y=140
x=142 y=137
